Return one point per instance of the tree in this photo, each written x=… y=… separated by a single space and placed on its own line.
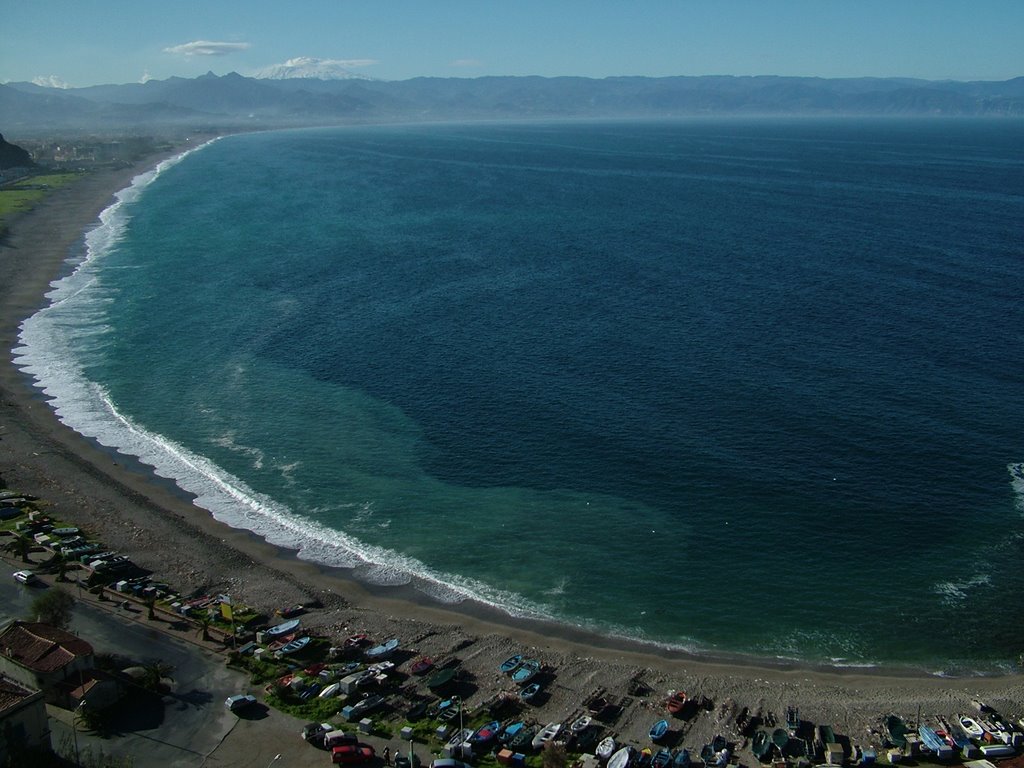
x=53 y=607
x=204 y=626
x=21 y=546
x=156 y=671
x=554 y=756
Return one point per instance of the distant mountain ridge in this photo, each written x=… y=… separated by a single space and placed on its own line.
x=232 y=101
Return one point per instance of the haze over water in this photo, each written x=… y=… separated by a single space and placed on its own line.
x=734 y=386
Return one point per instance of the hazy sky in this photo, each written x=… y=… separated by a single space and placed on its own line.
x=86 y=42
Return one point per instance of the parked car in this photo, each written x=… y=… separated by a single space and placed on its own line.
x=239 y=702
x=314 y=732
x=25 y=577
x=352 y=754
x=448 y=762
x=402 y=761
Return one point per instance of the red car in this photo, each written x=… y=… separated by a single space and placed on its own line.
x=352 y=754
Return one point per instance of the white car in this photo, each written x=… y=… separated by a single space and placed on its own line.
x=25 y=577
x=239 y=702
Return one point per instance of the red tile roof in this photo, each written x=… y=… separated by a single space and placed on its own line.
x=40 y=647
x=12 y=693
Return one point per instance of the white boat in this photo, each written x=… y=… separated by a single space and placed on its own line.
x=581 y=724
x=383 y=650
x=547 y=734
x=971 y=727
x=460 y=737
x=621 y=758
x=330 y=690
x=283 y=629
x=998 y=750
x=605 y=748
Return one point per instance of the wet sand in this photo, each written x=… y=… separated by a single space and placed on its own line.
x=148 y=518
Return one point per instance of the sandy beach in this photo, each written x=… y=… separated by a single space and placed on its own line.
x=148 y=518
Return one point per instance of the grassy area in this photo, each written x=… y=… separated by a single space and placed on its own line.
x=24 y=194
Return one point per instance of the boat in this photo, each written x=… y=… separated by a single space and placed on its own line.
x=529 y=691
x=644 y=761
x=549 y=732
x=934 y=742
x=719 y=743
x=441 y=679
x=508 y=665
x=998 y=750
x=658 y=730
x=510 y=731
x=972 y=727
x=707 y=754
x=458 y=738
x=291 y=611
x=622 y=758
x=897 y=731
x=762 y=745
x=526 y=672
x=416 y=711
x=662 y=759
x=422 y=666
x=383 y=650
x=294 y=646
x=681 y=759
x=780 y=738
x=676 y=702
x=605 y=748
x=330 y=690
x=958 y=738
x=522 y=739
x=581 y=724
x=486 y=733
x=357 y=640
x=283 y=628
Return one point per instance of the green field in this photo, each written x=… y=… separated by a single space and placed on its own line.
x=22 y=195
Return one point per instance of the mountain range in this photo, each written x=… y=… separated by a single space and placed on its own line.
x=235 y=102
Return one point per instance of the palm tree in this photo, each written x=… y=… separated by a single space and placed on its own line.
x=156 y=670
x=151 y=607
x=21 y=546
x=204 y=626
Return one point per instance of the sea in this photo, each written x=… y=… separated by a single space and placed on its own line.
x=749 y=388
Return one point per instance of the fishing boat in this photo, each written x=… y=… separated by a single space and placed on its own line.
x=662 y=759
x=644 y=761
x=529 y=692
x=780 y=738
x=441 y=679
x=422 y=666
x=681 y=759
x=548 y=733
x=522 y=739
x=897 y=731
x=508 y=665
x=294 y=646
x=283 y=628
x=972 y=727
x=458 y=738
x=510 y=731
x=383 y=650
x=581 y=724
x=330 y=690
x=486 y=733
x=676 y=702
x=526 y=672
x=658 y=730
x=707 y=754
x=719 y=743
x=621 y=759
x=605 y=748
x=934 y=742
x=357 y=640
x=762 y=745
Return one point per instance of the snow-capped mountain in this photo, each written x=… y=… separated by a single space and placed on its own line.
x=312 y=68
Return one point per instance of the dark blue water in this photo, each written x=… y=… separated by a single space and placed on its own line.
x=732 y=386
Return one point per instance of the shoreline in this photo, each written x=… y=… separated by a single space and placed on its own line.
x=152 y=520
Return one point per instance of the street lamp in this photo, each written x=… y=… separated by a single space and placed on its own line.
x=274 y=759
x=74 y=729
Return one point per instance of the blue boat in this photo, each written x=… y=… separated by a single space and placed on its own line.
x=526 y=672
x=485 y=733
x=294 y=646
x=508 y=665
x=659 y=729
x=510 y=731
x=282 y=629
x=662 y=759
x=681 y=759
x=529 y=691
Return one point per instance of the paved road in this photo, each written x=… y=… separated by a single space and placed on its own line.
x=183 y=727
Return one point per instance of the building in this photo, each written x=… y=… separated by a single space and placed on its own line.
x=24 y=727
x=44 y=658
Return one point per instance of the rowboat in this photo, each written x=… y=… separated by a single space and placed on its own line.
x=621 y=758
x=676 y=702
x=526 y=671
x=971 y=727
x=294 y=646
x=383 y=650
x=459 y=737
x=283 y=629
x=486 y=733
x=605 y=748
x=762 y=744
x=520 y=740
x=662 y=759
x=658 y=730
x=780 y=738
x=441 y=679
x=510 y=731
x=330 y=690
x=547 y=734
x=509 y=664
x=422 y=666
x=681 y=759
x=897 y=731
x=581 y=724
x=529 y=691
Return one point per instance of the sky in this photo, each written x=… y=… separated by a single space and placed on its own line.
x=89 y=42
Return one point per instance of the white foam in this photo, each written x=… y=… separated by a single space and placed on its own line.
x=956 y=592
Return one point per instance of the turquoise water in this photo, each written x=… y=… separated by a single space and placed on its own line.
x=739 y=386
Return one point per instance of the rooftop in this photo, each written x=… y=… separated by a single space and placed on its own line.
x=40 y=647
x=12 y=693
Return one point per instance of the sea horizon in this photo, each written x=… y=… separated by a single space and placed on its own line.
x=376 y=455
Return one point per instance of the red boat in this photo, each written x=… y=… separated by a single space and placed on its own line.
x=357 y=641
x=676 y=702
x=422 y=666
